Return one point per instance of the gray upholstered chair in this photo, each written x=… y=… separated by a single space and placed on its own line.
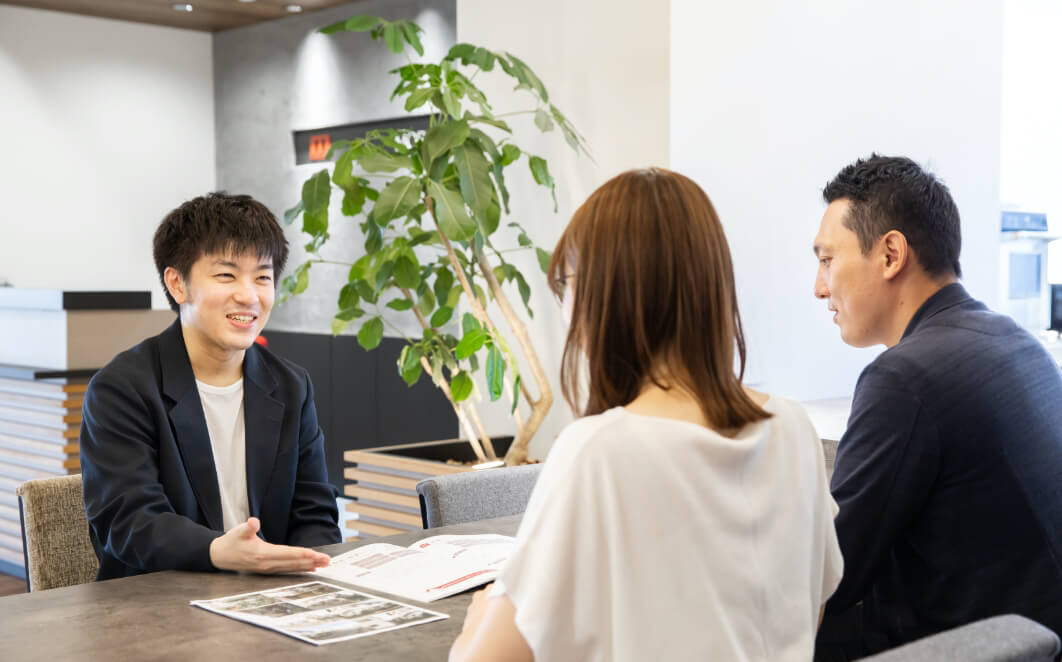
x=55 y=533
x=829 y=450
x=476 y=495
x=1008 y=638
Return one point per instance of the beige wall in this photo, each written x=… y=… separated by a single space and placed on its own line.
x=605 y=64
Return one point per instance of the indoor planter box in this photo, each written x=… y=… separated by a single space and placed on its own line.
x=385 y=481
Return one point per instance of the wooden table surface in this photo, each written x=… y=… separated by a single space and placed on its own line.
x=148 y=618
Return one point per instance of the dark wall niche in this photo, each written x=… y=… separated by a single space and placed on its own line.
x=312 y=145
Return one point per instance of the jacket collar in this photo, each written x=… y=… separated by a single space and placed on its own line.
x=263 y=415
x=946 y=297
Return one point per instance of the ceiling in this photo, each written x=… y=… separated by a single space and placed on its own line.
x=206 y=15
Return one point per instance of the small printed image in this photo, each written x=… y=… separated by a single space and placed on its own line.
x=241 y=603
x=362 y=608
x=275 y=610
x=338 y=599
x=302 y=591
x=402 y=616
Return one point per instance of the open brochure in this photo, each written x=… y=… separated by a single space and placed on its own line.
x=319 y=613
x=427 y=570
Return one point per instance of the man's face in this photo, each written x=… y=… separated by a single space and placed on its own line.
x=851 y=283
x=225 y=300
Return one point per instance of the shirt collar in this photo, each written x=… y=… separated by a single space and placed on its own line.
x=946 y=297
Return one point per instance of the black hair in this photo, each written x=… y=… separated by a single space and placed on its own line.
x=894 y=193
x=217 y=223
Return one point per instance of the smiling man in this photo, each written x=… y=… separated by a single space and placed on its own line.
x=200 y=449
x=949 y=476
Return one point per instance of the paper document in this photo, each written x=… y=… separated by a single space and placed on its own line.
x=427 y=570
x=319 y=613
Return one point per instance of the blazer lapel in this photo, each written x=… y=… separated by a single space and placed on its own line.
x=263 y=415
x=189 y=424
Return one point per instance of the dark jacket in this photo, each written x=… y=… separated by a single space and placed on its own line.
x=949 y=476
x=150 y=487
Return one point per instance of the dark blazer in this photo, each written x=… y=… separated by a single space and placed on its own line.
x=949 y=477
x=150 y=487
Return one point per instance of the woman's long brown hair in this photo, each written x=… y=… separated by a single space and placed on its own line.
x=654 y=298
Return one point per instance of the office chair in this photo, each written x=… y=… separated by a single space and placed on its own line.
x=55 y=535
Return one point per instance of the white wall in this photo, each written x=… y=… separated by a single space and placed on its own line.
x=605 y=65
x=1031 y=135
x=770 y=99
x=106 y=126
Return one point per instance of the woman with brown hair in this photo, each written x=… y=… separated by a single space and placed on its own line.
x=684 y=516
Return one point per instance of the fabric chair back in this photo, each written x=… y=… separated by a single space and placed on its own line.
x=476 y=495
x=829 y=449
x=1008 y=638
x=55 y=533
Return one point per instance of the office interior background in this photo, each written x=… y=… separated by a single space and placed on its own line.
x=107 y=125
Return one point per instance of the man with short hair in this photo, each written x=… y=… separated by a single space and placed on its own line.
x=949 y=476
x=200 y=449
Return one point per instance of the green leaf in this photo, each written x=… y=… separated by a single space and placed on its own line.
x=373 y=238
x=483 y=59
x=510 y=153
x=450 y=210
x=384 y=271
x=450 y=103
x=316 y=192
x=444 y=280
x=525 y=291
x=380 y=160
x=470 y=343
x=302 y=279
x=291 y=214
x=460 y=386
x=365 y=291
x=341 y=175
x=443 y=137
x=400 y=304
x=371 y=334
x=543 y=121
x=476 y=187
x=495 y=372
x=461 y=52
x=348 y=296
x=496 y=123
x=353 y=201
x=407 y=273
x=396 y=199
x=540 y=171
x=516 y=394
x=393 y=38
x=409 y=364
x=418 y=98
x=524 y=240
x=454 y=296
x=350 y=313
x=361 y=23
x=339 y=325
x=409 y=31
x=469 y=323
x=525 y=75
x=315 y=223
x=543 y=259
x=426 y=302
x=442 y=316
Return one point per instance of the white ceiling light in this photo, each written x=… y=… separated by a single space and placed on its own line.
x=246 y=0
x=294 y=9
x=182 y=7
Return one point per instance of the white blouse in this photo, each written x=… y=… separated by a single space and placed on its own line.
x=656 y=539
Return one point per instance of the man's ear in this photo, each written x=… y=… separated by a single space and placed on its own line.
x=175 y=284
x=895 y=253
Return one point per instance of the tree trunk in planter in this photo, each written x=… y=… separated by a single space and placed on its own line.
x=386 y=477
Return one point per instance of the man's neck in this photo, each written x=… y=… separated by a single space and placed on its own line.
x=213 y=365
x=914 y=292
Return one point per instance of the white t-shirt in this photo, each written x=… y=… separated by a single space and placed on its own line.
x=223 y=408
x=656 y=539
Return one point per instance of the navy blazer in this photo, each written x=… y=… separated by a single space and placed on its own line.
x=150 y=487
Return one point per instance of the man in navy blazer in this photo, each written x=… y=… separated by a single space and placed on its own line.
x=949 y=476
x=200 y=449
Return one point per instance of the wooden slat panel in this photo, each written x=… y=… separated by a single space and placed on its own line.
x=381 y=496
x=9 y=512
x=59 y=405
x=58 y=465
x=43 y=388
x=20 y=474
x=13 y=543
x=381 y=513
x=360 y=475
x=39 y=432
x=61 y=419
x=11 y=528
x=13 y=557
x=42 y=448
x=374 y=529
x=425 y=467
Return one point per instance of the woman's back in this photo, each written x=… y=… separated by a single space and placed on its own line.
x=658 y=538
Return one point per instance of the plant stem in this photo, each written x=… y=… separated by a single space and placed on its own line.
x=469 y=430
x=517 y=112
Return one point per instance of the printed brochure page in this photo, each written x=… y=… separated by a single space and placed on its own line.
x=319 y=613
x=427 y=570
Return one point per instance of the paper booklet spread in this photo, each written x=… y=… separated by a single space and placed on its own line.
x=319 y=613
x=427 y=570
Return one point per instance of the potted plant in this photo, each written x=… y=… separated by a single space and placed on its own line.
x=431 y=204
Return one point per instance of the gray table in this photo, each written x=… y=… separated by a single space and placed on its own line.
x=148 y=618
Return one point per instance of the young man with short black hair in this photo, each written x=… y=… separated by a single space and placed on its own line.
x=949 y=476
x=199 y=448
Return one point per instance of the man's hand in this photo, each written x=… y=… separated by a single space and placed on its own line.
x=241 y=549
